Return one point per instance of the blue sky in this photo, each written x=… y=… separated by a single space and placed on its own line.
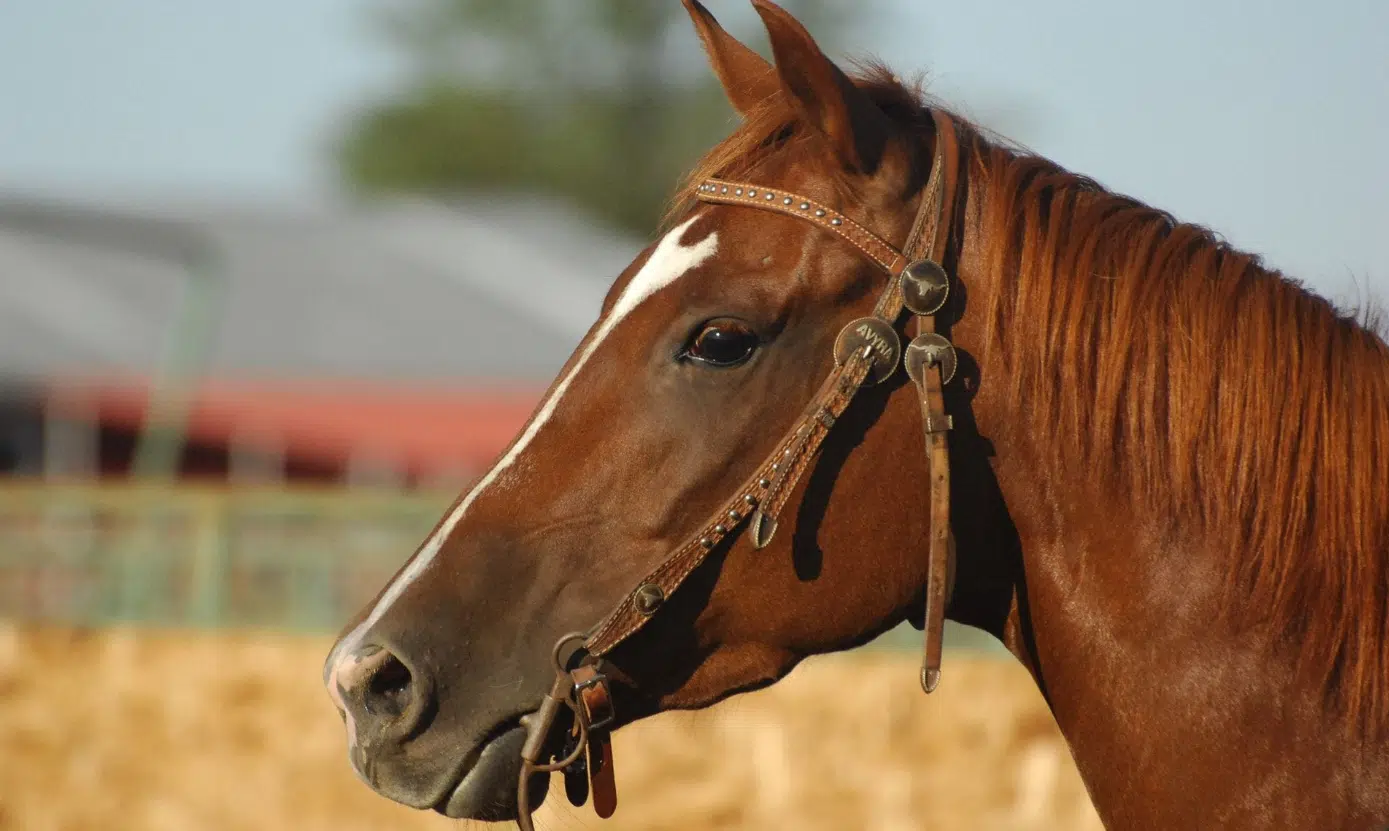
x=1267 y=121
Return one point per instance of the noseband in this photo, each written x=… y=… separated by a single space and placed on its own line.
x=867 y=352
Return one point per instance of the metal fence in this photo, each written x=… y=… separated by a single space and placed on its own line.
x=216 y=556
x=208 y=556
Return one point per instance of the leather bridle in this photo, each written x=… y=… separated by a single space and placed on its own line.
x=867 y=352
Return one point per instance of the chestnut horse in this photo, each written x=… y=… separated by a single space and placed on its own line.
x=1166 y=492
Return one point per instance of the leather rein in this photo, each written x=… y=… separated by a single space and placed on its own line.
x=867 y=352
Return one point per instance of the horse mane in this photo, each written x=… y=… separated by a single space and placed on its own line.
x=1216 y=392
x=1219 y=396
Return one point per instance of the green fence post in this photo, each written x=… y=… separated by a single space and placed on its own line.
x=210 y=560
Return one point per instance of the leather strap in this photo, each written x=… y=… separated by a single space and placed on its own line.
x=594 y=696
x=576 y=775
x=722 y=191
x=934 y=419
x=935 y=424
x=600 y=774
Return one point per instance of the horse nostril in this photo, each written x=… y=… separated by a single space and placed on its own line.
x=388 y=691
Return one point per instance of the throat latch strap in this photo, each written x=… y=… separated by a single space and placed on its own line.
x=931 y=362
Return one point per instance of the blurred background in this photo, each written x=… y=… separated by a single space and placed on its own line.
x=260 y=320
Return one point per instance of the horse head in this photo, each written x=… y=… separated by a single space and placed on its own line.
x=708 y=349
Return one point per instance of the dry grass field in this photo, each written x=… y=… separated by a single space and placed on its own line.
x=152 y=731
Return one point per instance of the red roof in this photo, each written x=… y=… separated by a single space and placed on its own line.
x=427 y=430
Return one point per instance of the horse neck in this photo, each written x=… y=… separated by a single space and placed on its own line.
x=1172 y=717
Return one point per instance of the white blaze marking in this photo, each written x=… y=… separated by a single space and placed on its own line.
x=336 y=692
x=667 y=263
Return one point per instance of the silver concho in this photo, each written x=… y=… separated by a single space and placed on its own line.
x=929 y=350
x=925 y=287
x=648 y=598
x=875 y=333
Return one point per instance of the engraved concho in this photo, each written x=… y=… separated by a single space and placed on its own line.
x=925 y=287
x=929 y=350
x=877 y=334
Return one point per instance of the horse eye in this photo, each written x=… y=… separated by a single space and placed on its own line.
x=723 y=343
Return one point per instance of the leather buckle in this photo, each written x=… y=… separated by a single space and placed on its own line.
x=940 y=424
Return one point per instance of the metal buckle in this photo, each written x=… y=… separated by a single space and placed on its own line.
x=598 y=680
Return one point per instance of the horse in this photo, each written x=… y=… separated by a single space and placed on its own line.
x=1147 y=463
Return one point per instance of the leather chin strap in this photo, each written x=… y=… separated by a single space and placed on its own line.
x=867 y=352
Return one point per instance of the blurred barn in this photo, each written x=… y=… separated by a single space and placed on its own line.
x=398 y=343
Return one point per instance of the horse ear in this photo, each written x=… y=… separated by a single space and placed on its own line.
x=823 y=95
x=747 y=78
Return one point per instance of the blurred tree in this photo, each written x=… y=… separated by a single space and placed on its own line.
x=602 y=102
